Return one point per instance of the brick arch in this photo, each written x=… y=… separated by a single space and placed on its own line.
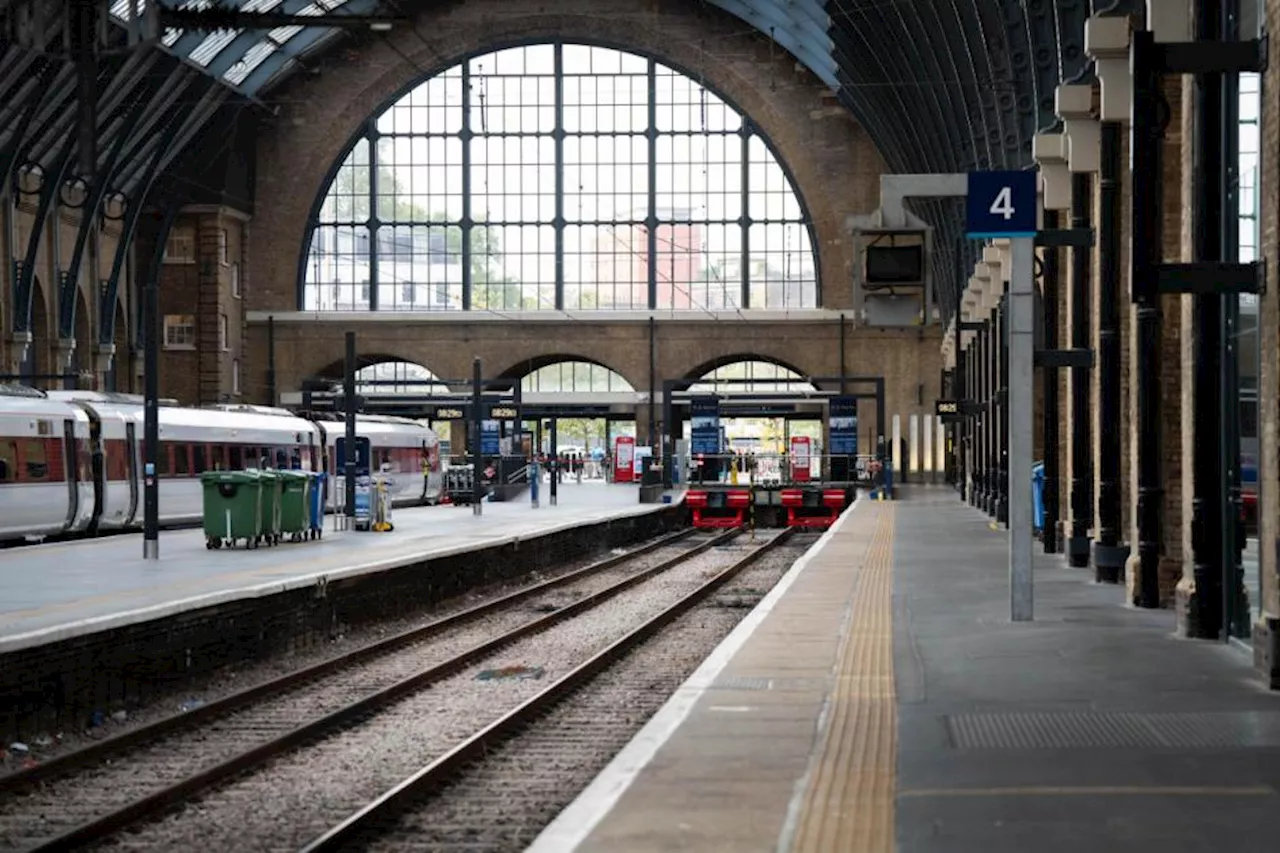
x=735 y=358
x=521 y=369
x=832 y=162
x=336 y=369
x=700 y=369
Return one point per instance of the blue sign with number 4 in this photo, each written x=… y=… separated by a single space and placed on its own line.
x=1001 y=204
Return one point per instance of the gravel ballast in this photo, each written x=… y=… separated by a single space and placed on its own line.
x=63 y=803
x=300 y=795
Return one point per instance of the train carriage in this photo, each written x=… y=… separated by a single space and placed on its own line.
x=71 y=461
x=46 y=478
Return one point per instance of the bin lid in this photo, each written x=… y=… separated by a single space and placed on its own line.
x=230 y=477
x=294 y=475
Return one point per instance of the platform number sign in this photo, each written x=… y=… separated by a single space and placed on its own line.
x=1001 y=204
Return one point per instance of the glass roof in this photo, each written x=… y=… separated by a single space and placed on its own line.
x=249 y=59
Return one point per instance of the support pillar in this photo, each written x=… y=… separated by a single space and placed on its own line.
x=1049 y=281
x=1081 y=412
x=1110 y=553
x=1002 y=409
x=1145 y=253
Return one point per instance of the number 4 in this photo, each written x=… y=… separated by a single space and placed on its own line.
x=1003 y=204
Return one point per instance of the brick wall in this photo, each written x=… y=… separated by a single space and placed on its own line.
x=207 y=288
x=906 y=358
x=16 y=223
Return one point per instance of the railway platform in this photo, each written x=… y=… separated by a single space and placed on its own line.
x=61 y=590
x=880 y=699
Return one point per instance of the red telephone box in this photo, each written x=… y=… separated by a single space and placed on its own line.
x=801 y=447
x=624 y=459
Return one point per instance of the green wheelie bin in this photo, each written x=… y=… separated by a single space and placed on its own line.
x=269 y=533
x=295 y=509
x=232 y=512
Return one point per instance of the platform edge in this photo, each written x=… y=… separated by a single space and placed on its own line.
x=577 y=821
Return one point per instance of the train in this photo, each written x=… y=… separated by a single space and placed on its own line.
x=71 y=462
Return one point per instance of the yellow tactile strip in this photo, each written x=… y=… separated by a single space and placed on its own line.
x=849 y=802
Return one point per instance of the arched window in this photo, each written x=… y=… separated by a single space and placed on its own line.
x=765 y=376
x=397 y=377
x=560 y=176
x=566 y=377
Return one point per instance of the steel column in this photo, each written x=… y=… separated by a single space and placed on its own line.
x=655 y=440
x=992 y=332
x=477 y=460
x=151 y=390
x=133 y=212
x=1204 y=618
x=25 y=278
x=1002 y=354
x=1236 y=614
x=349 y=405
x=1081 y=411
x=1050 y=270
x=271 y=360
x=90 y=212
x=1145 y=253
x=962 y=423
x=1109 y=555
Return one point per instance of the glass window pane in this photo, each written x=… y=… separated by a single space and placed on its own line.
x=401 y=223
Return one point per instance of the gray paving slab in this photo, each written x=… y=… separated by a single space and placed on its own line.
x=55 y=590
x=1092 y=728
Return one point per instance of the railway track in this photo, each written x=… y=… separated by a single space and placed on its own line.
x=496 y=790
x=97 y=791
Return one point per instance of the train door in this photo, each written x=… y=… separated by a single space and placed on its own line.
x=72 y=467
x=97 y=467
x=131 y=466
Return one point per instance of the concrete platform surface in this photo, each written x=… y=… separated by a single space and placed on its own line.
x=880 y=699
x=58 y=590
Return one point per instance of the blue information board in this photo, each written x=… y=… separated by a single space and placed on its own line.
x=704 y=426
x=490 y=438
x=843 y=412
x=1001 y=204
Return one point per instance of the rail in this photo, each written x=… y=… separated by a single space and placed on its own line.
x=378 y=813
x=166 y=797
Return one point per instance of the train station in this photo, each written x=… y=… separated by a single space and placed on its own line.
x=779 y=425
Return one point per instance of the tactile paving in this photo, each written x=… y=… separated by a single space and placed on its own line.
x=1093 y=730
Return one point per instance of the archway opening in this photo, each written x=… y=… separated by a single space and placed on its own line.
x=393 y=377
x=593 y=178
x=761 y=409
x=588 y=405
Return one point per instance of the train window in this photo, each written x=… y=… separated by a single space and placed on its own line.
x=248 y=457
x=164 y=464
x=282 y=458
x=198 y=465
x=35 y=460
x=181 y=460
x=8 y=461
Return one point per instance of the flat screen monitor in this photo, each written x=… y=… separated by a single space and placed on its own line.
x=895 y=264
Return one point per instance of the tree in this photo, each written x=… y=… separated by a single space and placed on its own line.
x=491 y=287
